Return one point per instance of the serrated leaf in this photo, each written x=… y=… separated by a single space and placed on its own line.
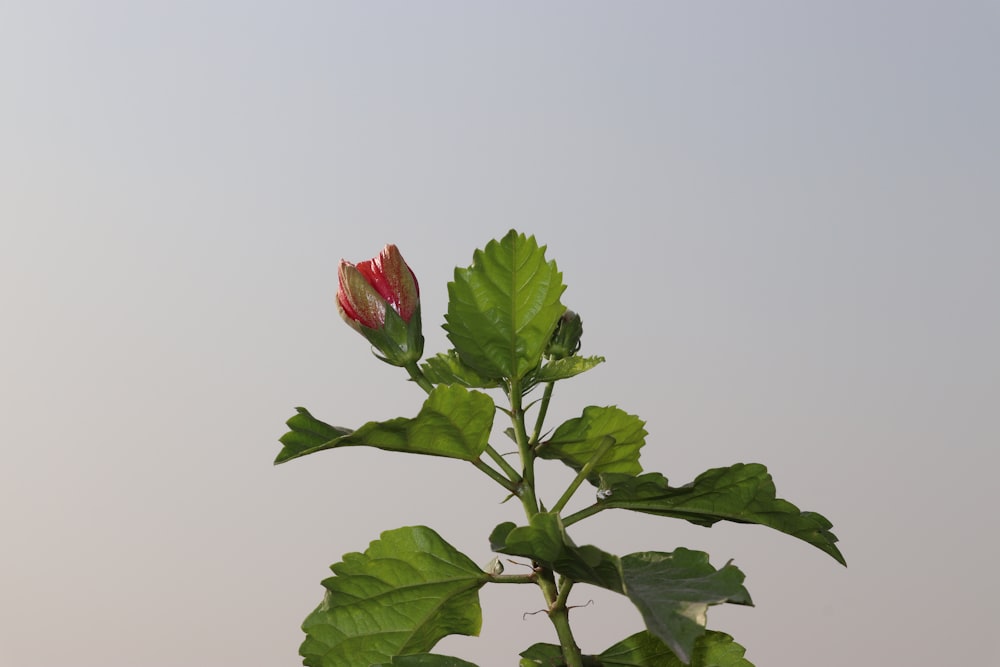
x=713 y=649
x=425 y=660
x=306 y=433
x=447 y=368
x=409 y=589
x=577 y=440
x=742 y=493
x=561 y=369
x=672 y=591
x=503 y=309
x=453 y=422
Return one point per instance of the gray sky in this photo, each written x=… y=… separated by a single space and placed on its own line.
x=780 y=222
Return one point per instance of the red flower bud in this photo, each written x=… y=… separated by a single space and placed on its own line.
x=368 y=287
x=380 y=299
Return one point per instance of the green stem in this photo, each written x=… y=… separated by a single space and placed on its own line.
x=559 y=615
x=500 y=479
x=514 y=579
x=556 y=602
x=527 y=491
x=502 y=462
x=587 y=468
x=418 y=376
x=565 y=586
x=542 y=409
x=583 y=514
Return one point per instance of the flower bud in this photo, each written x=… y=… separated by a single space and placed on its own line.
x=565 y=340
x=380 y=299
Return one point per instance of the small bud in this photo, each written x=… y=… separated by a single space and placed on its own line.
x=565 y=340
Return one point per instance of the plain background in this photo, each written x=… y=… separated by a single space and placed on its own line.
x=780 y=222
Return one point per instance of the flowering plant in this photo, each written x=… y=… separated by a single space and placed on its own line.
x=511 y=333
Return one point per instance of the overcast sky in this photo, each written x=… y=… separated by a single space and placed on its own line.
x=780 y=222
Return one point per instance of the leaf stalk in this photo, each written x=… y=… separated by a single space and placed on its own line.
x=606 y=444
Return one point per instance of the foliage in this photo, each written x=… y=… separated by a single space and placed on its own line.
x=389 y=606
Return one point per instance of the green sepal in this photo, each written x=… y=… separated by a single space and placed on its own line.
x=399 y=342
x=672 y=591
x=577 y=440
x=454 y=422
x=741 y=493
x=503 y=309
x=409 y=589
x=447 y=368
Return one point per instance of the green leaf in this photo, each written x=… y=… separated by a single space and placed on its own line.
x=713 y=649
x=425 y=660
x=560 y=369
x=402 y=595
x=672 y=591
x=307 y=433
x=577 y=440
x=454 y=422
x=550 y=655
x=503 y=309
x=447 y=368
x=545 y=540
x=742 y=493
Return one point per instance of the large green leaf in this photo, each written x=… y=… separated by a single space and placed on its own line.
x=713 y=649
x=402 y=595
x=503 y=309
x=672 y=591
x=425 y=660
x=577 y=440
x=453 y=422
x=743 y=493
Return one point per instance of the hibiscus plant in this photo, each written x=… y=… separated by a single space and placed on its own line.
x=512 y=335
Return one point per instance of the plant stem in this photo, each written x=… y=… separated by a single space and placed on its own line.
x=500 y=479
x=542 y=409
x=514 y=579
x=418 y=376
x=565 y=586
x=559 y=615
x=502 y=462
x=527 y=494
x=582 y=514
x=587 y=468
